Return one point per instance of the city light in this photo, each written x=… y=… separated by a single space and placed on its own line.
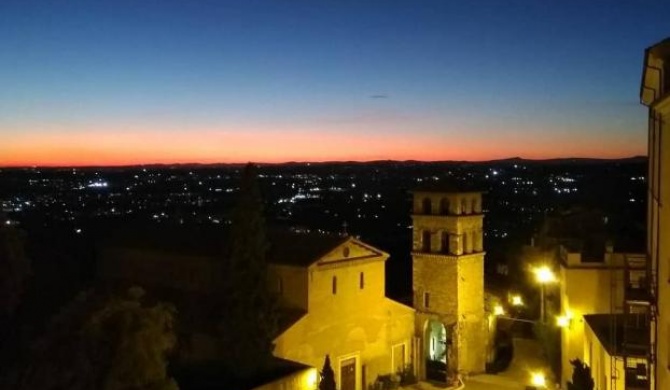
x=563 y=321
x=516 y=300
x=498 y=310
x=538 y=380
x=544 y=275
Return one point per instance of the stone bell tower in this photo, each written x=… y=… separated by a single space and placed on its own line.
x=448 y=282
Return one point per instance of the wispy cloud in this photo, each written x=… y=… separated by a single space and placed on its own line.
x=379 y=96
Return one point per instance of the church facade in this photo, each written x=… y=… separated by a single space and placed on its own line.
x=347 y=315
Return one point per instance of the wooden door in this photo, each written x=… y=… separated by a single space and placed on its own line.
x=348 y=374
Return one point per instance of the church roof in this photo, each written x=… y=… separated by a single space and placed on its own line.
x=285 y=247
x=301 y=250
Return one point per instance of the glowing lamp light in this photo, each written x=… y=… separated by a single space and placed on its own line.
x=310 y=379
x=517 y=300
x=537 y=379
x=498 y=310
x=544 y=274
x=563 y=321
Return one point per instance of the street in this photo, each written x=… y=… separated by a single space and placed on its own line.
x=527 y=359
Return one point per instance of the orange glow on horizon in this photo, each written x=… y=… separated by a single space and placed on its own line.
x=109 y=148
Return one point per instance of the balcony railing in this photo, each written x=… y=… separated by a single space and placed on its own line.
x=637 y=378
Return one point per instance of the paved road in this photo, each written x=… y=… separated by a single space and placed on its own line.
x=527 y=358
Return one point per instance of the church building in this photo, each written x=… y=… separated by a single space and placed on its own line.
x=340 y=288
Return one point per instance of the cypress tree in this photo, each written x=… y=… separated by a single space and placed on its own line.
x=327 y=381
x=581 y=376
x=250 y=316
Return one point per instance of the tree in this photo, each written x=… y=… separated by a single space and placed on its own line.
x=14 y=268
x=250 y=316
x=327 y=380
x=114 y=343
x=581 y=376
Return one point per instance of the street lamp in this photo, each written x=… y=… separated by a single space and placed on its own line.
x=538 y=380
x=517 y=300
x=498 y=310
x=563 y=321
x=543 y=275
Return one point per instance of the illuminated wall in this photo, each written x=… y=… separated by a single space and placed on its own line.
x=586 y=288
x=302 y=380
x=448 y=275
x=655 y=94
x=349 y=317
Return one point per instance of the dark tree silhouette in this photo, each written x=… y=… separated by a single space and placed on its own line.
x=327 y=380
x=102 y=343
x=14 y=268
x=581 y=376
x=250 y=314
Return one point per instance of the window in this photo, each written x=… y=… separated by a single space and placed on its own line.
x=466 y=242
x=280 y=285
x=464 y=206
x=426 y=300
x=361 y=280
x=427 y=206
x=334 y=285
x=444 y=206
x=445 y=242
x=425 y=241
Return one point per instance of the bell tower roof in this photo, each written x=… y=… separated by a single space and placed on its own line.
x=448 y=188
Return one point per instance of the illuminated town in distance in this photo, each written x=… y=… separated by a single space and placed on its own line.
x=319 y=195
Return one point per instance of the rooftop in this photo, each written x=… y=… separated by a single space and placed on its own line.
x=609 y=329
x=285 y=246
x=448 y=187
x=211 y=376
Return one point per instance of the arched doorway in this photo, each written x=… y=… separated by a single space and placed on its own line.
x=436 y=347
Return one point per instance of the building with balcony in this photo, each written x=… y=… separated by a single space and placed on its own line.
x=655 y=94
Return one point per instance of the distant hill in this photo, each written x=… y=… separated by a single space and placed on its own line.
x=505 y=161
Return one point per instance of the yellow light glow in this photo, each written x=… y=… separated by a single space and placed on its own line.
x=563 y=321
x=517 y=300
x=310 y=379
x=537 y=379
x=498 y=310
x=544 y=274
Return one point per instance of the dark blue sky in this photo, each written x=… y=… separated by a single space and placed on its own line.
x=284 y=80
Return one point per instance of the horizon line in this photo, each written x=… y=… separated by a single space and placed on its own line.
x=319 y=162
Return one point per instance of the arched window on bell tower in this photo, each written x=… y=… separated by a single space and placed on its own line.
x=425 y=241
x=444 y=242
x=427 y=206
x=444 y=206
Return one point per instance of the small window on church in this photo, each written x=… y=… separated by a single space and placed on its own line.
x=334 y=285
x=426 y=300
x=361 y=280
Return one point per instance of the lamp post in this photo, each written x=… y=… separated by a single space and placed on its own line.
x=543 y=275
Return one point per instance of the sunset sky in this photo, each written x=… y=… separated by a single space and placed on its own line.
x=131 y=82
